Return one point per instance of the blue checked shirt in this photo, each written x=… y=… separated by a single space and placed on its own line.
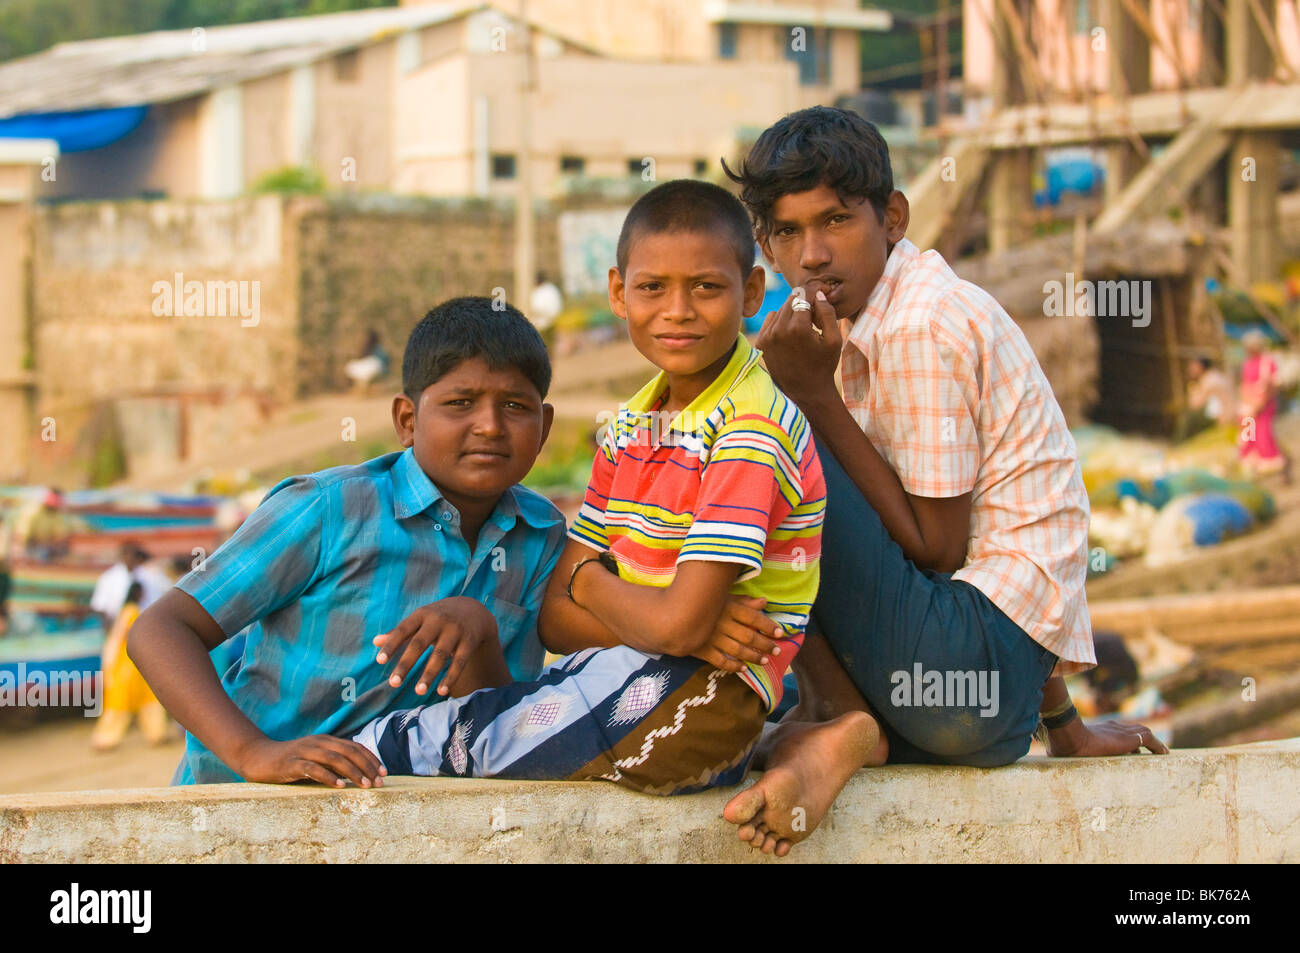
x=332 y=559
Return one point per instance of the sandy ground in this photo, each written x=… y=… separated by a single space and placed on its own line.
x=56 y=756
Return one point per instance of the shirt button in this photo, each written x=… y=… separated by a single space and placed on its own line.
x=438 y=527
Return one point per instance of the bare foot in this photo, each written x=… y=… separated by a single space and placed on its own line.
x=808 y=764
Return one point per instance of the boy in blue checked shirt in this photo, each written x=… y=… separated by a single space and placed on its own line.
x=433 y=547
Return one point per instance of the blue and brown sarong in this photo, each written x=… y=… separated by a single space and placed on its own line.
x=654 y=723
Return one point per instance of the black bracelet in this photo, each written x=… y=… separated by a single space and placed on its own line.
x=606 y=559
x=1061 y=720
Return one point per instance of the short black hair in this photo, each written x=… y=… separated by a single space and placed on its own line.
x=820 y=145
x=689 y=205
x=462 y=329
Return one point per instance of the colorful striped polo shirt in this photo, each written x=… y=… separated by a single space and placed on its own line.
x=733 y=478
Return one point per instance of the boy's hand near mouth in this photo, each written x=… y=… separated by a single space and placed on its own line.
x=801 y=349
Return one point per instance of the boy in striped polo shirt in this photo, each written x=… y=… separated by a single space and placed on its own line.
x=699 y=534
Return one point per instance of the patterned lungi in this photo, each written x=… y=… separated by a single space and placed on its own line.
x=654 y=723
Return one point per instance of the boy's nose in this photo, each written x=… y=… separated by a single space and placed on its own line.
x=677 y=305
x=489 y=421
x=814 y=255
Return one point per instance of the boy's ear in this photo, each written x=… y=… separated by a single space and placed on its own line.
x=897 y=214
x=617 y=293
x=548 y=418
x=404 y=419
x=755 y=286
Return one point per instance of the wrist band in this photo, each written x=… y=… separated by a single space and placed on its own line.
x=1059 y=719
x=606 y=559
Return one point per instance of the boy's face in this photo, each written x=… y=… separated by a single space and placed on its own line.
x=683 y=297
x=476 y=431
x=821 y=243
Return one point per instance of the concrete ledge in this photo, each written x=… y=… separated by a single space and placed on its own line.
x=1193 y=806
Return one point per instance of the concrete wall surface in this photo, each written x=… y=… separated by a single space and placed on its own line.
x=1210 y=805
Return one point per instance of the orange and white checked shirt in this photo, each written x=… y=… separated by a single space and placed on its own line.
x=946 y=387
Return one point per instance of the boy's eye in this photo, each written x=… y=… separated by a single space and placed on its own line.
x=649 y=286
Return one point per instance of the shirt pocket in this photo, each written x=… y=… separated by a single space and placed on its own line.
x=517 y=632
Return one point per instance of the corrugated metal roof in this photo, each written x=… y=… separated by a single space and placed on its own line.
x=171 y=65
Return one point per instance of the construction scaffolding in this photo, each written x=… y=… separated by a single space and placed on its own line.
x=1192 y=183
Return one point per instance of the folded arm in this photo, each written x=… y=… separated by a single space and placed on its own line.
x=615 y=612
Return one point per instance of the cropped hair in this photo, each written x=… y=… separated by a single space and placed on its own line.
x=689 y=205
x=462 y=329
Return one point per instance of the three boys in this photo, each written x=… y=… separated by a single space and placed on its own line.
x=702 y=525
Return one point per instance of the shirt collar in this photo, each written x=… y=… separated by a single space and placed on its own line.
x=901 y=256
x=742 y=359
x=414 y=492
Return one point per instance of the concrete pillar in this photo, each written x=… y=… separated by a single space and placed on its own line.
x=1252 y=206
x=1011 y=187
x=1253 y=169
x=1248 y=55
x=23 y=162
x=1128 y=58
x=1010 y=199
x=1213 y=52
x=1128 y=50
x=1006 y=86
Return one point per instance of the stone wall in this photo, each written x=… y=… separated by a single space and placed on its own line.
x=117 y=351
x=382 y=265
x=170 y=301
x=1219 y=805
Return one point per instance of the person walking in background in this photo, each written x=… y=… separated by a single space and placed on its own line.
x=1258 y=447
x=372 y=365
x=1209 y=399
x=111 y=587
x=126 y=694
x=545 y=303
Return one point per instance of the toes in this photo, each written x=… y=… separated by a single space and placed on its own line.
x=747 y=832
x=783 y=848
x=769 y=845
x=744 y=807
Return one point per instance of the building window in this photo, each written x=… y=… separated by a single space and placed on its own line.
x=701 y=167
x=346 y=66
x=727 y=41
x=503 y=165
x=811 y=49
x=573 y=165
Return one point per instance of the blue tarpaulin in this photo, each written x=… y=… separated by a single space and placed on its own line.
x=75 y=131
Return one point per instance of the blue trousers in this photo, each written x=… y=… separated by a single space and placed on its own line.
x=951 y=679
